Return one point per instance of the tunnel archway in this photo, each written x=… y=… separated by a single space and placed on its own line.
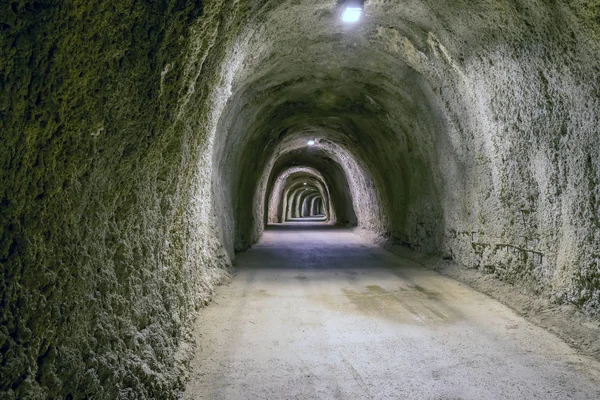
x=142 y=143
x=295 y=193
x=307 y=205
x=316 y=206
x=425 y=124
x=277 y=203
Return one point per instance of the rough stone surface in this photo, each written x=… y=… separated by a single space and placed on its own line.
x=139 y=140
x=474 y=125
x=106 y=229
x=316 y=312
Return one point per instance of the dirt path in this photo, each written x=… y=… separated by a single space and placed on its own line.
x=319 y=313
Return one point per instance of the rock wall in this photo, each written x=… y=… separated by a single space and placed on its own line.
x=522 y=112
x=474 y=125
x=108 y=240
x=138 y=137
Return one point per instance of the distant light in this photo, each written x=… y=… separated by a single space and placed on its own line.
x=311 y=142
x=304 y=183
x=351 y=14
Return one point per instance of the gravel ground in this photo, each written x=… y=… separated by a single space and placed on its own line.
x=318 y=312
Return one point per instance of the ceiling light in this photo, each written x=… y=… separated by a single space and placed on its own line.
x=311 y=142
x=351 y=14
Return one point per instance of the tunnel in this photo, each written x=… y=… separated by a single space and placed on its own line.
x=299 y=199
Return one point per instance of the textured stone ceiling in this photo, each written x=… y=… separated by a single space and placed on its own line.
x=449 y=121
x=144 y=142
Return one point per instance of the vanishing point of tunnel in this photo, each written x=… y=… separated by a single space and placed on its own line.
x=300 y=199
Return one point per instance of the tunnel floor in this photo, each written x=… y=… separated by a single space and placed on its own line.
x=316 y=312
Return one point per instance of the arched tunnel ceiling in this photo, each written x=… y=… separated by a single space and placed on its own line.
x=423 y=105
x=142 y=140
x=341 y=85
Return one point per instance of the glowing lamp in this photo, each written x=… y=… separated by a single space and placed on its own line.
x=351 y=14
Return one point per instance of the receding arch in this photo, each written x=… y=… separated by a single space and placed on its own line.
x=277 y=201
x=323 y=158
x=292 y=194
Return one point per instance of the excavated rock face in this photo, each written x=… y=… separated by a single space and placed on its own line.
x=106 y=226
x=141 y=143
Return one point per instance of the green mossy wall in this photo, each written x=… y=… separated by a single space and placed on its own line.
x=104 y=255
